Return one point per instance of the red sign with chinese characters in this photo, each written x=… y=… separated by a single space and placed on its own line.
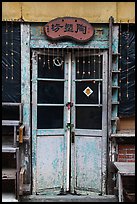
x=69 y=27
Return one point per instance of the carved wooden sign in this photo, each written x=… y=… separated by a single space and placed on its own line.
x=77 y=29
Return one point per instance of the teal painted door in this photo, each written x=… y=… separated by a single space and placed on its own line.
x=69 y=121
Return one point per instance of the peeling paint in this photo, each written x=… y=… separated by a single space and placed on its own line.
x=96 y=12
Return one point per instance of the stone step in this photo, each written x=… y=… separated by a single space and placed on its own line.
x=8 y=197
x=69 y=198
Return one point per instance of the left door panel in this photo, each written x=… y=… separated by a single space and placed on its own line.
x=48 y=119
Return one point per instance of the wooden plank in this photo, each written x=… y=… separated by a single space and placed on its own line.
x=25 y=76
x=88 y=133
x=8 y=149
x=110 y=76
x=123 y=135
x=8 y=144
x=127 y=131
x=25 y=96
x=127 y=124
x=45 y=44
x=10 y=104
x=125 y=168
x=10 y=122
x=41 y=132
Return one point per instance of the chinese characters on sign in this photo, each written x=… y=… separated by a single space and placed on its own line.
x=69 y=27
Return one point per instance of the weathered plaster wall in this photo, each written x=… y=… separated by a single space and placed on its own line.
x=95 y=12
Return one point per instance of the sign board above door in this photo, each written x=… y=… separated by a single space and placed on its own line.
x=77 y=29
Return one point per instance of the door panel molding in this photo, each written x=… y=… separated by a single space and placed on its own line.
x=89 y=133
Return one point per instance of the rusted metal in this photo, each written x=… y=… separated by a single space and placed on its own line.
x=69 y=27
x=21 y=128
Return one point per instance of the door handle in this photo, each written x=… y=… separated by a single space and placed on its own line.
x=72 y=137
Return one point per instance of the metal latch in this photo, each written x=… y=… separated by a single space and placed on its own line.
x=69 y=105
x=69 y=125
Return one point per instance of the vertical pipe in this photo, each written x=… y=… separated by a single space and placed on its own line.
x=111 y=20
x=99 y=94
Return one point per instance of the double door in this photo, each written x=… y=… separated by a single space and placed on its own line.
x=69 y=121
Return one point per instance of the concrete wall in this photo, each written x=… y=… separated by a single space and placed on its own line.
x=94 y=12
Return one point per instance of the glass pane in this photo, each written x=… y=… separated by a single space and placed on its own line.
x=89 y=117
x=89 y=67
x=82 y=98
x=50 y=92
x=49 y=117
x=48 y=67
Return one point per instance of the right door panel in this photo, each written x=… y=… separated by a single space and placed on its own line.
x=89 y=116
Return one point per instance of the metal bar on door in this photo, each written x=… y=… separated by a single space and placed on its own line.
x=43 y=79
x=81 y=80
x=99 y=94
x=68 y=120
x=50 y=104
x=88 y=105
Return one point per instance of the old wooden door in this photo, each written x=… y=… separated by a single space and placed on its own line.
x=69 y=121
